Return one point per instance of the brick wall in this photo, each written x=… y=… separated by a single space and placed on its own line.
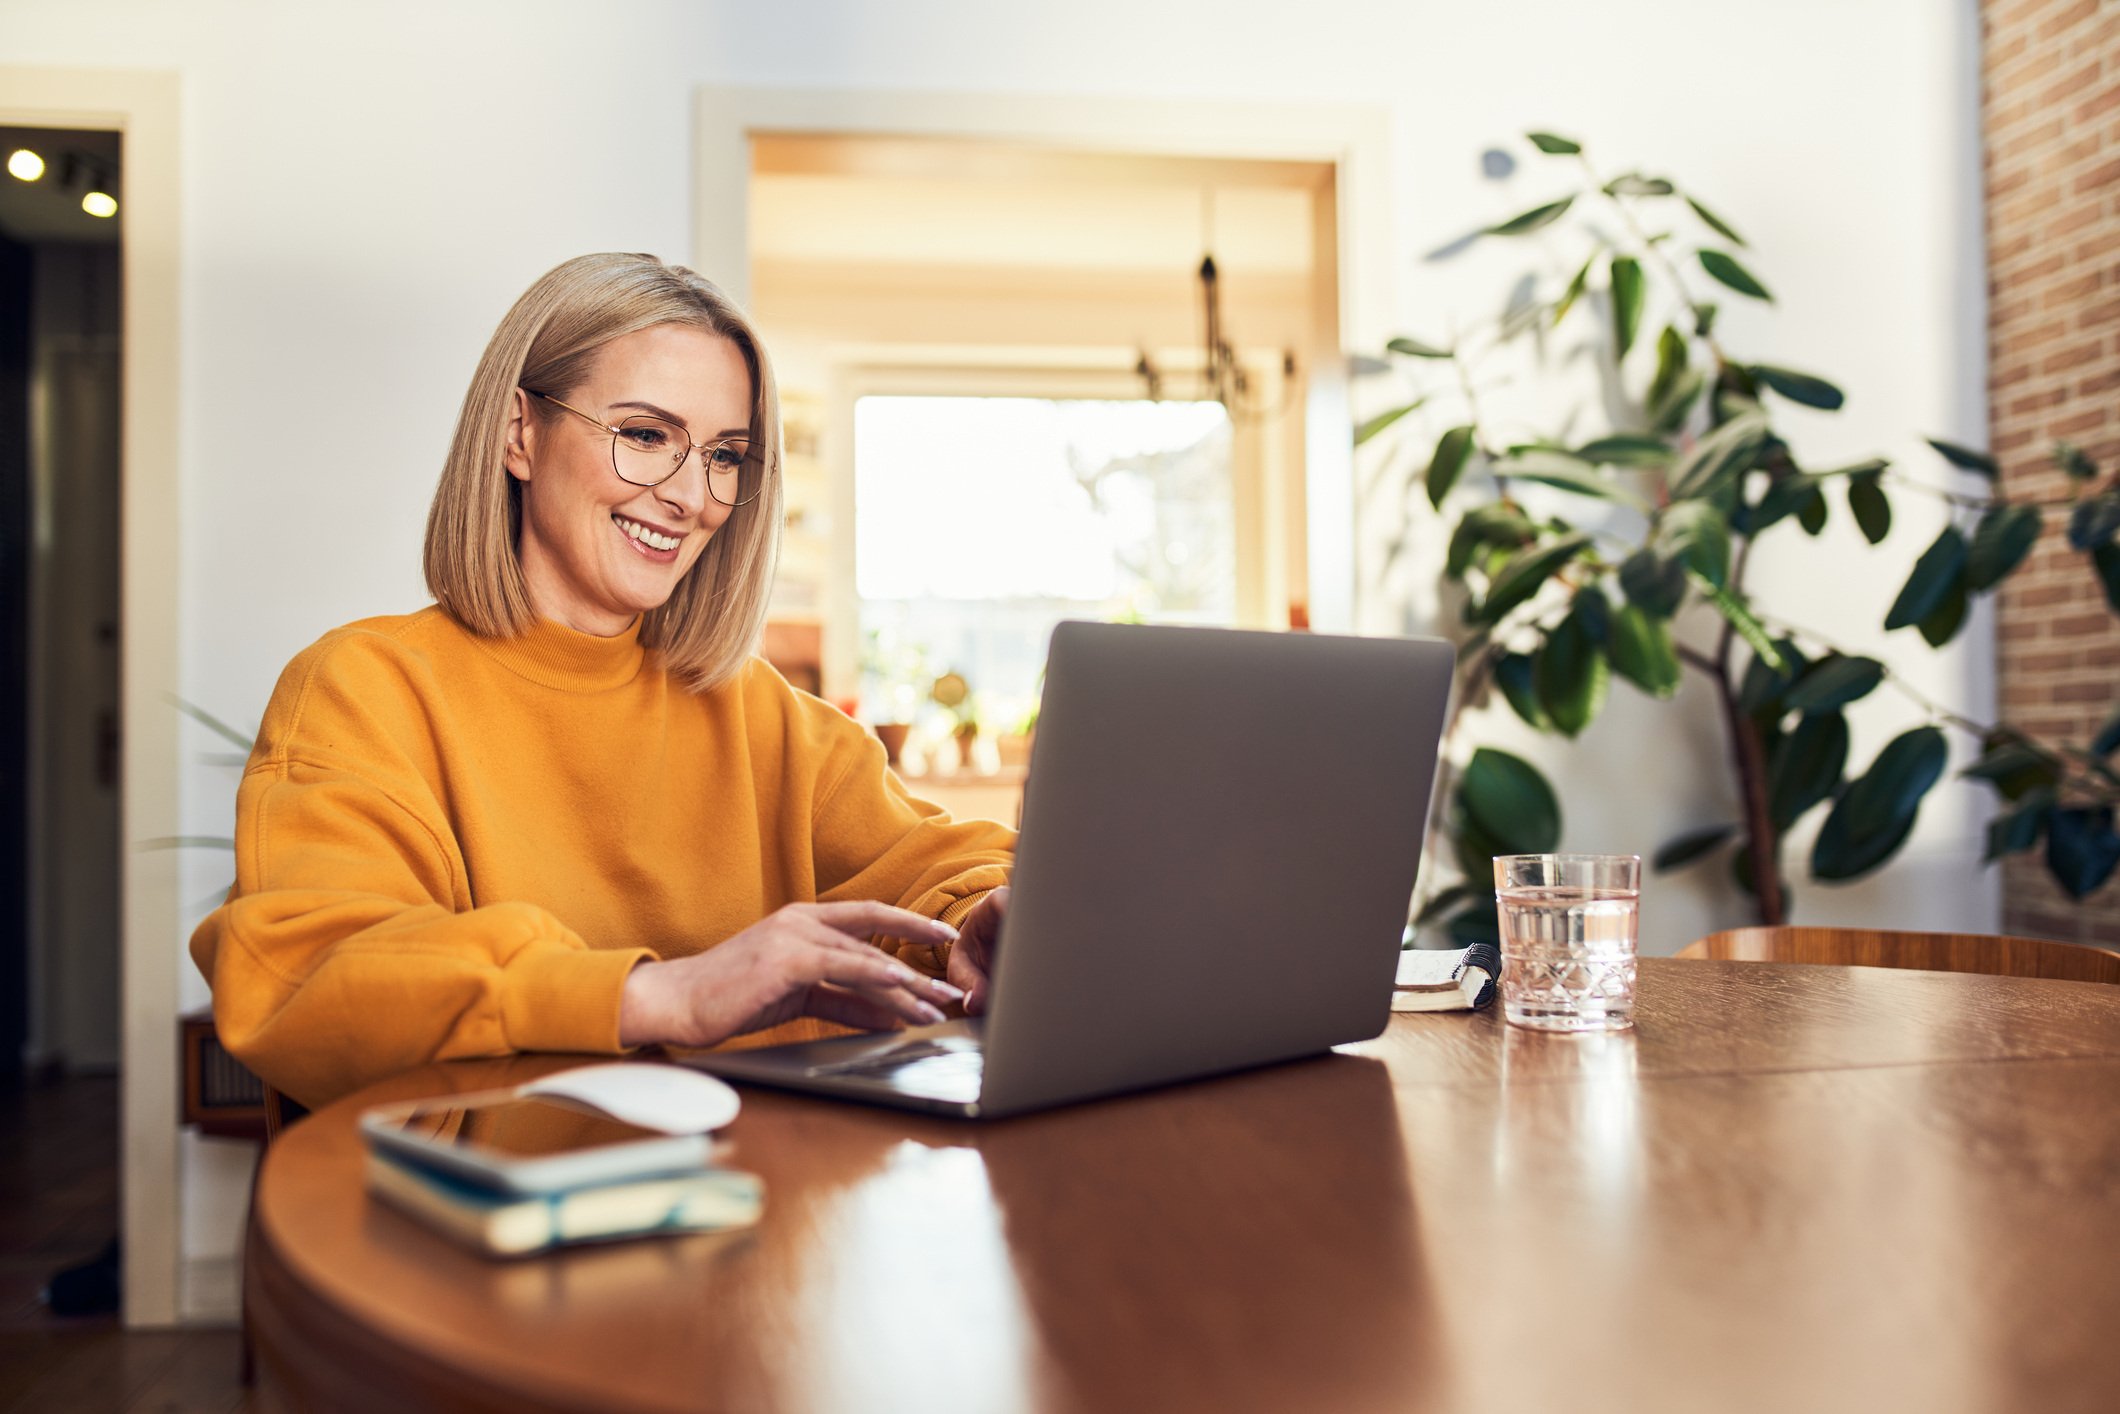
x=2051 y=108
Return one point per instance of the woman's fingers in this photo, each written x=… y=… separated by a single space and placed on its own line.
x=884 y=980
x=861 y=919
x=884 y=969
x=830 y=1003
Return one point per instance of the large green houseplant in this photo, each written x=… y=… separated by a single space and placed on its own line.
x=1630 y=560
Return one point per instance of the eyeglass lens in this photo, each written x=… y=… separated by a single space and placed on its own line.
x=648 y=451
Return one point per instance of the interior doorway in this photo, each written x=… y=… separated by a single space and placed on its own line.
x=61 y=441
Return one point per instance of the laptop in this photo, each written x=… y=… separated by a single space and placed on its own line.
x=1220 y=835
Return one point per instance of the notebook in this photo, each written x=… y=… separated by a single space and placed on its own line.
x=1220 y=835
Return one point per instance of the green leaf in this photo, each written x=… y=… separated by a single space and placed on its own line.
x=1451 y=452
x=1670 y=362
x=2108 y=739
x=209 y=721
x=1567 y=473
x=1733 y=609
x=1811 y=515
x=1940 y=566
x=1656 y=584
x=1626 y=449
x=1531 y=220
x=1511 y=803
x=1698 y=535
x=2018 y=830
x=2081 y=848
x=1761 y=690
x=1943 y=622
x=2003 y=538
x=1559 y=146
x=1512 y=674
x=1523 y=575
x=1832 y=683
x=1414 y=348
x=1574 y=291
x=2094 y=522
x=1715 y=223
x=1690 y=846
x=1872 y=512
x=2074 y=461
x=1669 y=414
x=1873 y=817
x=2015 y=767
x=1726 y=269
x=1571 y=672
x=1626 y=303
x=1478 y=924
x=1719 y=457
x=1805 y=767
x=2107 y=559
x=1643 y=651
x=1787 y=496
x=1383 y=420
x=1493 y=524
x=1805 y=388
x=1635 y=184
x=1965 y=458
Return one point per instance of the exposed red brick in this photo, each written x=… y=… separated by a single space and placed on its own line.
x=2075 y=356
x=2063 y=20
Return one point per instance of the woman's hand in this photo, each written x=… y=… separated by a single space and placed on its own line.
x=808 y=959
x=972 y=959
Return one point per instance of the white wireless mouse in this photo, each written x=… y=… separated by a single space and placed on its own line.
x=665 y=1097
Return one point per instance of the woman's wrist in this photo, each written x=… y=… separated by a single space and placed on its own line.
x=639 y=1008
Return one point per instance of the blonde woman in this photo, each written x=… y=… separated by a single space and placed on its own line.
x=564 y=808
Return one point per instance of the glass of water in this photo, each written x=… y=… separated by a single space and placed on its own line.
x=1569 y=927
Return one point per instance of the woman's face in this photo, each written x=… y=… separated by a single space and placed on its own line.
x=584 y=548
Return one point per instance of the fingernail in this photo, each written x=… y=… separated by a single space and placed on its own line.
x=928 y=1013
x=947 y=930
x=945 y=991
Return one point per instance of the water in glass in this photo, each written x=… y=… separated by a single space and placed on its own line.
x=1568 y=957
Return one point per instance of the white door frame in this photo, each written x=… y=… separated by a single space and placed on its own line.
x=144 y=106
x=1355 y=276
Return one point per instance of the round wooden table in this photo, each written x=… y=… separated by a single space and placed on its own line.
x=1790 y=1188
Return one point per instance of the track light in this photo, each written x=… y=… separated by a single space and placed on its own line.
x=24 y=165
x=100 y=203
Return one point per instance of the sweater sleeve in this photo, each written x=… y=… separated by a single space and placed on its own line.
x=876 y=840
x=349 y=948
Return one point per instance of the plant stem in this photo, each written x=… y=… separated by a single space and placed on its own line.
x=1751 y=762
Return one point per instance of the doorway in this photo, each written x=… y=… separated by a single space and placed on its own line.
x=61 y=440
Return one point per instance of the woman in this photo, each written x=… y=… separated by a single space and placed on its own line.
x=564 y=809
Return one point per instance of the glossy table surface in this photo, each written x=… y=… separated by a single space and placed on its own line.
x=1790 y=1188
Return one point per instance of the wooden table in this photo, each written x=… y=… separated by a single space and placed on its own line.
x=1789 y=1189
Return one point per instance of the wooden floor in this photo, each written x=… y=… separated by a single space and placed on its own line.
x=59 y=1206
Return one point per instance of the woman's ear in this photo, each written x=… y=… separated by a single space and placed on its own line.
x=520 y=439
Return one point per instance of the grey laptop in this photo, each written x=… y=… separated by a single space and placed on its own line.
x=1220 y=835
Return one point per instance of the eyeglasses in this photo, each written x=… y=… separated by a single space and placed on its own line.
x=647 y=451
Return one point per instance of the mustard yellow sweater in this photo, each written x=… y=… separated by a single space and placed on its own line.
x=452 y=846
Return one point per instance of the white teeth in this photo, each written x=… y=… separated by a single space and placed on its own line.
x=646 y=536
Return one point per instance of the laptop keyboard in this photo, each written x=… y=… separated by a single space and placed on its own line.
x=946 y=1070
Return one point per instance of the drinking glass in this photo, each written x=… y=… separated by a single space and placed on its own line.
x=1569 y=929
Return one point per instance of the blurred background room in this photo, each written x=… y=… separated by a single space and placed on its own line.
x=1076 y=312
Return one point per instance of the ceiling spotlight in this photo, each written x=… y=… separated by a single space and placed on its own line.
x=24 y=165
x=100 y=203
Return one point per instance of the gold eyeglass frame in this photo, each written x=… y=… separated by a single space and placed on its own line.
x=703 y=448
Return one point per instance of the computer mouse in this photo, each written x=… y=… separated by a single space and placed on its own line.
x=665 y=1097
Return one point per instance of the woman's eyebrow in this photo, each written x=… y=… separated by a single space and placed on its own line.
x=667 y=416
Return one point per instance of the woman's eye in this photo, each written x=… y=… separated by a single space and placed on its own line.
x=729 y=456
x=648 y=439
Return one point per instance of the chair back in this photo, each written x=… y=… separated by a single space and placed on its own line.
x=1930 y=952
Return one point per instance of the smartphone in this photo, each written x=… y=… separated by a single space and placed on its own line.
x=528 y=1143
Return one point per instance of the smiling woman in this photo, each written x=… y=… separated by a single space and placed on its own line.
x=566 y=808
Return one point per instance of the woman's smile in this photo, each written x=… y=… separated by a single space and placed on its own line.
x=653 y=541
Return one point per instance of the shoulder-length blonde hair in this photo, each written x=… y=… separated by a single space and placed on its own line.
x=711 y=623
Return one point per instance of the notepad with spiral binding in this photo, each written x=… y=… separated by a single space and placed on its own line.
x=1455 y=979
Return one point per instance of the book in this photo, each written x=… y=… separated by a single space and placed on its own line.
x=515 y=1224
x=1446 y=979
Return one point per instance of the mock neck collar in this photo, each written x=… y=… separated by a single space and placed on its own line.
x=556 y=656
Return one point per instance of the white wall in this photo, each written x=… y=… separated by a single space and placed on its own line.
x=366 y=187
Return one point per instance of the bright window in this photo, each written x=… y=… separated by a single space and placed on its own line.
x=982 y=522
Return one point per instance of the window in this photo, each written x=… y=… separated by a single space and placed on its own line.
x=982 y=522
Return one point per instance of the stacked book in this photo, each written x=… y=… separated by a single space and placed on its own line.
x=510 y=1224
